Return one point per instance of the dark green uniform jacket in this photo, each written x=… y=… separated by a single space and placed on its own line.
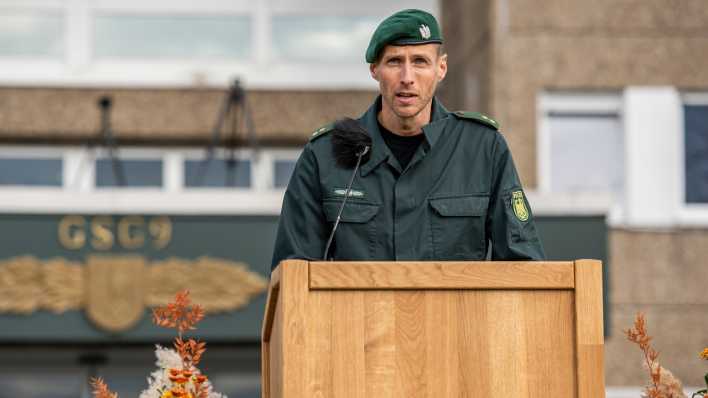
x=459 y=193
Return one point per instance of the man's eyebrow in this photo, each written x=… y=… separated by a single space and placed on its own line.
x=421 y=55
x=392 y=56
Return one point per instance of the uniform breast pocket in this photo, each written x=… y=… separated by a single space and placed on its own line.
x=355 y=238
x=457 y=226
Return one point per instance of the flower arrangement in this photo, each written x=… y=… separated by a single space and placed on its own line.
x=704 y=392
x=663 y=383
x=177 y=375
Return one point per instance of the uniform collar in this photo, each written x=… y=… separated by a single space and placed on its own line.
x=379 y=150
x=433 y=129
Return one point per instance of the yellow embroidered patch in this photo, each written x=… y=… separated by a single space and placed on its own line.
x=519 y=205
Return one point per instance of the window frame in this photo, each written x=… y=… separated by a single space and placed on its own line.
x=546 y=202
x=263 y=71
x=79 y=192
x=666 y=210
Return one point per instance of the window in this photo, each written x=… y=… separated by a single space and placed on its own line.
x=33 y=34
x=217 y=173
x=128 y=173
x=282 y=172
x=266 y=43
x=586 y=152
x=696 y=153
x=148 y=180
x=581 y=143
x=148 y=37
x=30 y=171
x=322 y=38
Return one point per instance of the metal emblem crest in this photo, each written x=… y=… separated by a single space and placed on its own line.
x=519 y=205
x=116 y=291
x=424 y=31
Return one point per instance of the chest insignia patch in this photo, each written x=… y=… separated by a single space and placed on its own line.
x=353 y=193
x=519 y=205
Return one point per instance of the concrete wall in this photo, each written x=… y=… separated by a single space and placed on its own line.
x=663 y=275
x=467 y=82
x=167 y=115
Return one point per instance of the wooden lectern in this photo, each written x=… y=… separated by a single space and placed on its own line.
x=434 y=329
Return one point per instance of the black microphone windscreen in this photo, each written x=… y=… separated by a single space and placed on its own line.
x=349 y=139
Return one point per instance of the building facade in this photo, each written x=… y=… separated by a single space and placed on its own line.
x=131 y=166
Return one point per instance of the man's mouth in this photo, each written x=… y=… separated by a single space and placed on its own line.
x=406 y=99
x=405 y=95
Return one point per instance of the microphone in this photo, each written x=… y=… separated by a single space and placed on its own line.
x=351 y=147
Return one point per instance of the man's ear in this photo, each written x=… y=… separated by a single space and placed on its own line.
x=373 y=71
x=442 y=67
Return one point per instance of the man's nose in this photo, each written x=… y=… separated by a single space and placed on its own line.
x=407 y=74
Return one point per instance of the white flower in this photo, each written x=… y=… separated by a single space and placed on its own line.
x=167 y=358
x=156 y=382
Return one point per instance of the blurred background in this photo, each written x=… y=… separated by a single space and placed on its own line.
x=145 y=147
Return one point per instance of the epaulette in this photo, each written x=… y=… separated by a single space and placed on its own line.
x=478 y=117
x=322 y=131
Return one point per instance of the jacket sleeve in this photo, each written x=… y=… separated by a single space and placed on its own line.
x=510 y=223
x=302 y=228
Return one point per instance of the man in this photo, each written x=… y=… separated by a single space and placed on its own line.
x=437 y=185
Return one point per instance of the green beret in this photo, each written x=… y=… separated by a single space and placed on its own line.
x=404 y=28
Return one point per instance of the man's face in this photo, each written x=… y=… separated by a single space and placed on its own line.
x=408 y=77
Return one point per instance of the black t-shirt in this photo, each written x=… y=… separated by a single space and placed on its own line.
x=403 y=147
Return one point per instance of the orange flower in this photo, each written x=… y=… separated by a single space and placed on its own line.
x=704 y=354
x=100 y=389
x=181 y=315
x=200 y=379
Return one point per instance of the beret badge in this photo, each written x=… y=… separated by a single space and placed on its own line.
x=425 y=31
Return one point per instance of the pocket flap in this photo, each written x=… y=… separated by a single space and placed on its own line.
x=461 y=206
x=355 y=212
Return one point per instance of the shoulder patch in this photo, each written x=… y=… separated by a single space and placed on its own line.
x=322 y=131
x=478 y=117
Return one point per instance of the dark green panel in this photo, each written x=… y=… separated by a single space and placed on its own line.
x=572 y=238
x=240 y=238
x=247 y=239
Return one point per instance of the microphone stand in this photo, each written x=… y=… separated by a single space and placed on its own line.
x=344 y=201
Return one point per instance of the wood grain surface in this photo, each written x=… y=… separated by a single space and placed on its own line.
x=589 y=329
x=436 y=342
x=271 y=305
x=442 y=275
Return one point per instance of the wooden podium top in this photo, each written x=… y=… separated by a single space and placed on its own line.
x=441 y=275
